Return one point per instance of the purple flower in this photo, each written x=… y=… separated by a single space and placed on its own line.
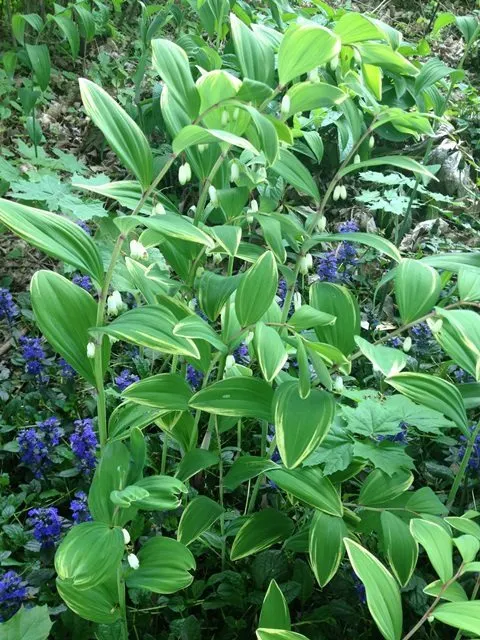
x=400 y=437
x=282 y=294
x=194 y=377
x=36 y=445
x=462 y=376
x=474 y=462
x=395 y=342
x=66 y=370
x=83 y=225
x=79 y=508
x=327 y=267
x=197 y=309
x=359 y=588
x=33 y=354
x=350 y=226
x=13 y=592
x=422 y=339
x=47 y=525
x=241 y=353
x=83 y=443
x=8 y=309
x=82 y=281
x=125 y=379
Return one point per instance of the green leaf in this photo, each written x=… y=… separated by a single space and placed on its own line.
x=171 y=62
x=270 y=350
x=121 y=132
x=325 y=547
x=70 y=30
x=40 y=61
x=438 y=545
x=228 y=237
x=128 y=497
x=469 y=284
x=339 y=302
x=468 y=547
x=465 y=525
x=372 y=418
x=307 y=96
x=274 y=613
x=163 y=493
x=387 y=456
x=425 y=501
x=193 y=135
x=314 y=413
x=172 y=225
x=310 y=486
x=27 y=624
x=199 y=516
x=259 y=532
x=18 y=24
x=89 y=553
x=257 y=290
x=213 y=292
x=459 y=336
x=383 y=595
x=128 y=415
x=150 y=326
x=255 y=56
x=355 y=27
x=295 y=173
x=245 y=468
x=307 y=317
x=279 y=634
x=432 y=392
x=376 y=242
x=194 y=461
x=98 y=604
x=86 y=22
x=379 y=489
x=402 y=162
x=385 y=359
x=163 y=391
x=53 y=234
x=417 y=287
x=240 y=397
x=401 y=548
x=65 y=313
x=165 y=566
x=461 y=615
x=303 y=48
x=430 y=73
x=453 y=593
x=194 y=327
x=382 y=55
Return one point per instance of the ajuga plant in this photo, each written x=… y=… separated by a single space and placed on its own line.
x=226 y=299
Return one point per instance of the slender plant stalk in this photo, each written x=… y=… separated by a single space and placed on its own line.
x=202 y=200
x=163 y=466
x=220 y=490
x=122 y=601
x=463 y=467
x=430 y=610
x=258 y=481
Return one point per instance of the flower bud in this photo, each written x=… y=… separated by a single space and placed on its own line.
x=137 y=250
x=133 y=561
x=236 y=113
x=285 y=106
x=234 y=172
x=343 y=193
x=336 y=192
x=202 y=147
x=334 y=62
x=91 y=350
x=357 y=56
x=126 y=536
x=371 y=142
x=229 y=362
x=254 y=206
x=184 y=174
x=212 y=192
x=338 y=384
x=249 y=337
x=435 y=325
x=431 y=619
x=407 y=344
x=297 y=300
x=305 y=263
x=356 y=159
x=115 y=304
x=225 y=118
x=313 y=76
x=217 y=258
x=159 y=209
x=322 y=224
